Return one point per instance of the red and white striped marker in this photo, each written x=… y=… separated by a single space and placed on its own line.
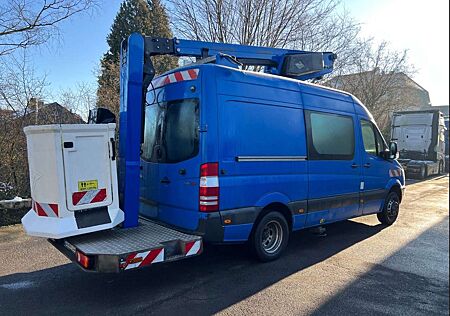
x=193 y=247
x=141 y=259
x=184 y=75
x=45 y=209
x=88 y=197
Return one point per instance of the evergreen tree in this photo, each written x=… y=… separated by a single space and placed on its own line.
x=144 y=16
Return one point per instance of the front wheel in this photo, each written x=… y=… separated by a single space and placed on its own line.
x=390 y=209
x=270 y=237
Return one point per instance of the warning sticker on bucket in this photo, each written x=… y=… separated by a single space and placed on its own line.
x=87 y=185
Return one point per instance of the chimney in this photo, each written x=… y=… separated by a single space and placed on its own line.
x=32 y=103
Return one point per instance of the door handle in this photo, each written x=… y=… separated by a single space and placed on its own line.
x=165 y=180
x=355 y=166
x=367 y=165
x=113 y=148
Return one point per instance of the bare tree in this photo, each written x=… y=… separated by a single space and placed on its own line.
x=302 y=24
x=80 y=99
x=379 y=77
x=19 y=84
x=25 y=23
x=108 y=94
x=22 y=91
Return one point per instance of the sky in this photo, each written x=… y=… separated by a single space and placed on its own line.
x=75 y=56
x=422 y=27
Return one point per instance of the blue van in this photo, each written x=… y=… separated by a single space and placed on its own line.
x=239 y=156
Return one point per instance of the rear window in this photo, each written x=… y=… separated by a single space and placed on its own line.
x=171 y=131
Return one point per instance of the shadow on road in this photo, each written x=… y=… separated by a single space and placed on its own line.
x=412 y=281
x=219 y=278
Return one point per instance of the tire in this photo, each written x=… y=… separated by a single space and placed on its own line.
x=391 y=207
x=441 y=167
x=270 y=237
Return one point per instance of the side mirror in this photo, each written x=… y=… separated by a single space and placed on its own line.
x=101 y=116
x=393 y=150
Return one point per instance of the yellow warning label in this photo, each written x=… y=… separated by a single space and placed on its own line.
x=87 y=185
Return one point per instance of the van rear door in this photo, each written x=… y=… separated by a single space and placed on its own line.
x=170 y=175
x=179 y=164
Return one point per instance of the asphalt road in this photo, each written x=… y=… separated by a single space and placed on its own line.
x=359 y=268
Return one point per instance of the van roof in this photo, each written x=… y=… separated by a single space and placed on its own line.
x=305 y=87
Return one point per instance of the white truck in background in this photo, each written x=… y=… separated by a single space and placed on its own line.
x=420 y=136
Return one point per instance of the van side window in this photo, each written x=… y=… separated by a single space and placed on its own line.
x=330 y=136
x=374 y=143
x=381 y=144
x=368 y=133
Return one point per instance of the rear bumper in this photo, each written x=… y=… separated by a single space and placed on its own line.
x=57 y=227
x=229 y=226
x=123 y=249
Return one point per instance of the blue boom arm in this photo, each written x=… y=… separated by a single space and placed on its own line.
x=274 y=59
x=136 y=73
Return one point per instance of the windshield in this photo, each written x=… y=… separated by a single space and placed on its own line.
x=171 y=132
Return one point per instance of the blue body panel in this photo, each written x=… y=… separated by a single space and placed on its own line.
x=237 y=233
x=244 y=115
x=131 y=74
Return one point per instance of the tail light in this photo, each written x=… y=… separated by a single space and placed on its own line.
x=209 y=187
x=83 y=260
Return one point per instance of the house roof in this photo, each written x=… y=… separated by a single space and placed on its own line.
x=399 y=74
x=51 y=113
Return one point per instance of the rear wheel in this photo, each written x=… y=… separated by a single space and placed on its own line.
x=390 y=210
x=270 y=237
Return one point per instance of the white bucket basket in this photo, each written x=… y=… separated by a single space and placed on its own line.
x=73 y=180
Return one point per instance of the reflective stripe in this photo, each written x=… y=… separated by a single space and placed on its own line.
x=192 y=248
x=137 y=264
x=45 y=209
x=208 y=198
x=147 y=257
x=184 y=75
x=87 y=197
x=208 y=203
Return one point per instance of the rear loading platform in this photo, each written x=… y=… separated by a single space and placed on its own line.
x=122 y=249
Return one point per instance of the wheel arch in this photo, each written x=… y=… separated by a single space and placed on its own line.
x=279 y=207
x=396 y=188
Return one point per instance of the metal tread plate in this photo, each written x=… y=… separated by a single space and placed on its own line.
x=148 y=235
